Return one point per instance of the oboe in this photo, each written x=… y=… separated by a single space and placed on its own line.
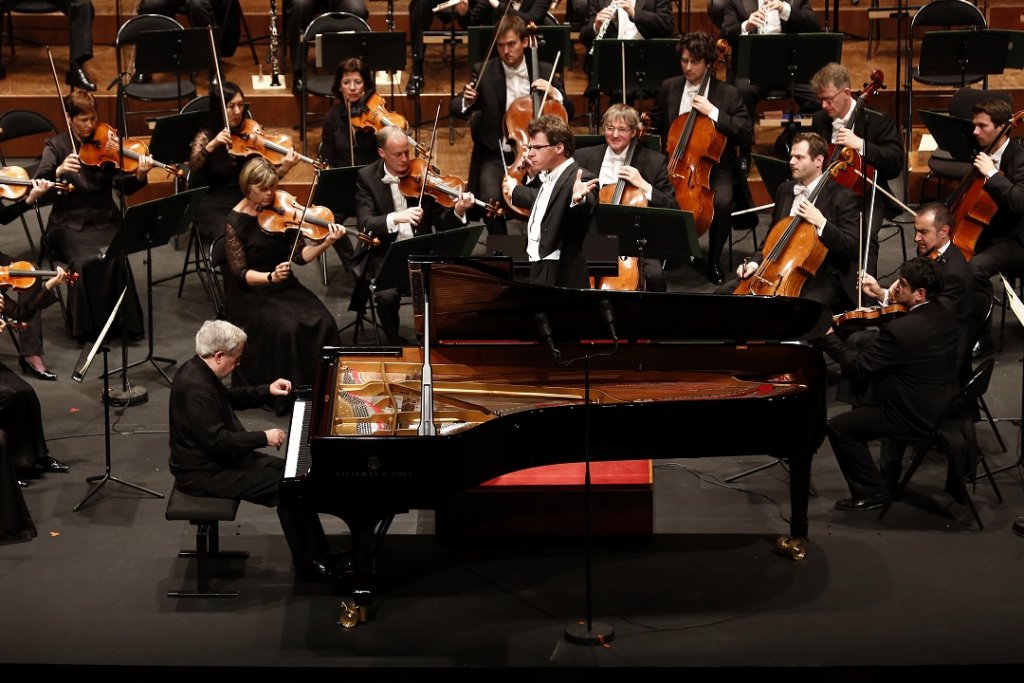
x=604 y=27
x=275 y=68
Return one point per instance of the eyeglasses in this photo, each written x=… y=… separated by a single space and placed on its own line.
x=533 y=147
x=620 y=131
x=829 y=100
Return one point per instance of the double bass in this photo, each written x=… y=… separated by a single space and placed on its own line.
x=972 y=207
x=792 y=251
x=697 y=148
x=852 y=177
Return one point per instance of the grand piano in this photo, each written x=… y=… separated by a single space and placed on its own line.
x=683 y=375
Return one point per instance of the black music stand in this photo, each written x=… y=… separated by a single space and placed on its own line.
x=664 y=234
x=652 y=62
x=952 y=134
x=601 y=253
x=335 y=191
x=1015 y=48
x=144 y=227
x=773 y=172
x=81 y=368
x=782 y=61
x=951 y=57
x=168 y=51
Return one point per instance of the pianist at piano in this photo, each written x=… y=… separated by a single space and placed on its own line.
x=213 y=455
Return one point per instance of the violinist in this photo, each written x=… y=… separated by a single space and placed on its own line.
x=834 y=216
x=352 y=87
x=873 y=136
x=912 y=364
x=560 y=211
x=1001 y=245
x=646 y=172
x=83 y=223
x=721 y=103
x=287 y=323
x=506 y=79
x=387 y=213
x=22 y=441
x=213 y=167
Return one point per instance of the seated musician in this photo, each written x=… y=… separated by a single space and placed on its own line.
x=646 y=171
x=299 y=14
x=506 y=79
x=213 y=455
x=873 y=136
x=385 y=213
x=629 y=20
x=1001 y=245
x=721 y=103
x=289 y=323
x=912 y=365
x=767 y=17
x=560 y=210
x=21 y=416
x=834 y=216
x=932 y=227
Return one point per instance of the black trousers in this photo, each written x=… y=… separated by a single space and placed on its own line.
x=80 y=15
x=849 y=434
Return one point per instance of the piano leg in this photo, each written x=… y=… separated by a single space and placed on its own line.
x=366 y=536
x=795 y=545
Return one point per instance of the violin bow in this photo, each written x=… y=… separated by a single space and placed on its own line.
x=305 y=208
x=351 y=135
x=554 y=66
x=867 y=239
x=220 y=81
x=430 y=153
x=63 y=107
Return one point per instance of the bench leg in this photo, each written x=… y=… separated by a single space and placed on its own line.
x=207 y=548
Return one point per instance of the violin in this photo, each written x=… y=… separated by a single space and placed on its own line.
x=851 y=178
x=105 y=147
x=22 y=275
x=624 y=193
x=15 y=183
x=697 y=147
x=286 y=213
x=863 y=318
x=972 y=207
x=525 y=109
x=445 y=189
x=793 y=252
x=250 y=139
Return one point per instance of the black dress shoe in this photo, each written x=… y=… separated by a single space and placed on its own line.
x=1018 y=526
x=297 y=83
x=77 y=78
x=414 y=86
x=715 y=274
x=27 y=369
x=48 y=464
x=24 y=483
x=745 y=164
x=869 y=503
x=318 y=570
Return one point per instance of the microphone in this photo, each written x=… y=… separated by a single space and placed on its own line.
x=608 y=313
x=544 y=329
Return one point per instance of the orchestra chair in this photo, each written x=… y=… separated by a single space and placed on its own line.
x=971 y=393
x=178 y=90
x=26 y=123
x=204 y=514
x=319 y=84
x=940 y=15
x=7 y=10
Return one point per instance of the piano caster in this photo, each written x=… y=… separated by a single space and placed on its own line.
x=796 y=548
x=352 y=614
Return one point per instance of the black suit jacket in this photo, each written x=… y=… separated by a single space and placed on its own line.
x=563 y=227
x=802 y=18
x=883 y=146
x=958 y=289
x=911 y=363
x=650 y=164
x=653 y=18
x=733 y=118
x=1007 y=189
x=840 y=235
x=374 y=203
x=482 y=14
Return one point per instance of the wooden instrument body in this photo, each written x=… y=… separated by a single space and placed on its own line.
x=799 y=255
x=698 y=149
x=848 y=177
x=286 y=214
x=376 y=115
x=863 y=318
x=973 y=209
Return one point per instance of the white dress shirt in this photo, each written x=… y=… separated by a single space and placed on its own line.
x=540 y=207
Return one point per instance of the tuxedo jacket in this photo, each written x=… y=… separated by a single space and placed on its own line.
x=911 y=364
x=650 y=164
x=841 y=234
x=653 y=18
x=802 y=18
x=1007 y=189
x=482 y=14
x=733 y=118
x=563 y=227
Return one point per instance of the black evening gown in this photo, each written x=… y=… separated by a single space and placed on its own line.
x=287 y=324
x=15 y=521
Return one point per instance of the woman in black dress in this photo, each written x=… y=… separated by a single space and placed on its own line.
x=83 y=223
x=287 y=324
x=340 y=144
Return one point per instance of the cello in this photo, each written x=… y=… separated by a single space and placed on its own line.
x=972 y=207
x=697 y=147
x=793 y=251
x=851 y=177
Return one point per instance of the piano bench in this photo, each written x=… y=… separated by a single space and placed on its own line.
x=205 y=514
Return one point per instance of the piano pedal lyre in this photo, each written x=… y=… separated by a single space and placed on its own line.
x=352 y=614
x=796 y=548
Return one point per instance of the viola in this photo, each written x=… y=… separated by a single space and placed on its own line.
x=286 y=213
x=697 y=147
x=792 y=251
x=972 y=207
x=15 y=183
x=863 y=318
x=105 y=147
x=445 y=189
x=852 y=176
x=22 y=275
x=250 y=139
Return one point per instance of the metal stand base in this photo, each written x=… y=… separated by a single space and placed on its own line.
x=133 y=396
x=102 y=479
x=597 y=634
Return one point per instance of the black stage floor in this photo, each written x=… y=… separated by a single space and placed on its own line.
x=708 y=593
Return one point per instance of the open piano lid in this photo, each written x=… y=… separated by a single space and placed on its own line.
x=475 y=300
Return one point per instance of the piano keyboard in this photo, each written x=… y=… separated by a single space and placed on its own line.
x=297 y=460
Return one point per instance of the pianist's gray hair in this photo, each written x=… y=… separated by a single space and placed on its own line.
x=218 y=335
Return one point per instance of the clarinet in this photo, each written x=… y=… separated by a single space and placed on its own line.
x=604 y=27
x=275 y=68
